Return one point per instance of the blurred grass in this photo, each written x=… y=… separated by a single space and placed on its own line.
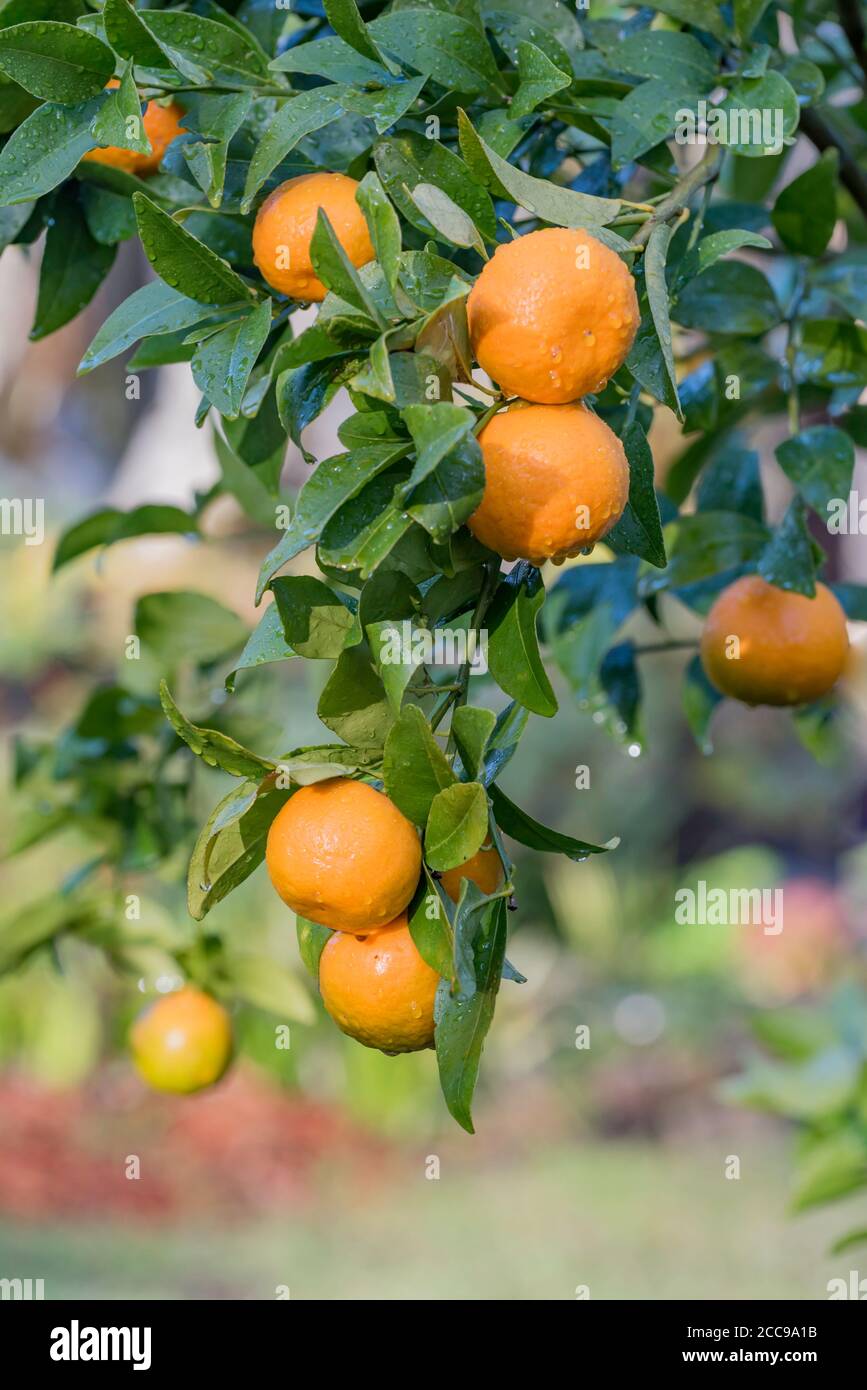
x=631 y=1221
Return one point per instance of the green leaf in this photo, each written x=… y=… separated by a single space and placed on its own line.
x=788 y=559
x=831 y=1168
x=45 y=149
x=214 y=748
x=656 y=53
x=449 y=221
x=820 y=462
x=334 y=483
x=407 y=159
x=812 y=1090
x=830 y=352
x=263 y=983
x=699 y=699
x=312 y=940
x=436 y=431
x=128 y=35
x=336 y=270
x=385 y=106
x=805 y=212
x=540 y=79
x=301 y=115
x=120 y=122
x=462 y=1022
x=345 y=20
x=451 y=493
x=181 y=626
x=383 y=225
x=30 y=927
x=73 y=268
x=153 y=310
x=660 y=380
x=503 y=743
x=109 y=526
x=366 y=528
x=471 y=730
x=513 y=645
x=521 y=827
x=222 y=362
x=353 y=703
x=712 y=248
x=747 y=109
x=205 y=51
x=232 y=843
x=185 y=263
x=457 y=825
x=265 y=644
x=705 y=544
x=55 y=62
x=332 y=58
x=747 y=15
x=453 y=51
x=397 y=655
x=415 y=769
x=639 y=530
x=562 y=207
x=702 y=14
x=646 y=117
x=430 y=928
x=317 y=622
x=730 y=297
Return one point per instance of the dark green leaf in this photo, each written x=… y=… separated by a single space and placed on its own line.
x=181 y=626
x=45 y=149
x=214 y=748
x=513 y=645
x=317 y=622
x=639 y=531
x=154 y=309
x=185 y=263
x=108 y=526
x=415 y=769
x=819 y=461
x=521 y=827
x=353 y=703
x=452 y=50
x=265 y=644
x=232 y=842
x=462 y=1022
x=222 y=363
x=457 y=825
x=788 y=559
x=731 y=297
x=805 y=212
x=73 y=268
x=56 y=62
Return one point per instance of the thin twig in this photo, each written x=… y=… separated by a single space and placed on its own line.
x=676 y=201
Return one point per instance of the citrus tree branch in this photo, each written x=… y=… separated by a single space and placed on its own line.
x=675 y=202
x=823 y=137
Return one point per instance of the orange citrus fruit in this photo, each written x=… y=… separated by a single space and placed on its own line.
x=483 y=869
x=182 y=1042
x=556 y=479
x=161 y=125
x=766 y=646
x=378 y=989
x=341 y=853
x=285 y=225
x=553 y=315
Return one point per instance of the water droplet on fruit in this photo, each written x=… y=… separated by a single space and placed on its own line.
x=589 y=337
x=554 y=378
x=556 y=353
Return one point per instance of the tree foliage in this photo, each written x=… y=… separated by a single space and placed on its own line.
x=467 y=123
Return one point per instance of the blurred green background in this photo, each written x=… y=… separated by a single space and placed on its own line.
x=332 y=1171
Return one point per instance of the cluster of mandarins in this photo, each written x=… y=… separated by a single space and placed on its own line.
x=552 y=317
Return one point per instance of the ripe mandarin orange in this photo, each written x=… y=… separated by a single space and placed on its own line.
x=182 y=1042
x=483 y=869
x=556 y=480
x=378 y=989
x=285 y=225
x=553 y=315
x=790 y=649
x=342 y=854
x=162 y=123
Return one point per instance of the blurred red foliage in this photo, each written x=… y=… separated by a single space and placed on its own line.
x=242 y=1148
